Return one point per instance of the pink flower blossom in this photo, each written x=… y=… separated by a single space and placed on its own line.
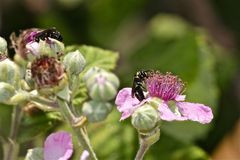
x=166 y=89
x=58 y=146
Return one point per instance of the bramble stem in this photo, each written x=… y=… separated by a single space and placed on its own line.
x=41 y=100
x=142 y=150
x=80 y=133
x=11 y=147
x=146 y=140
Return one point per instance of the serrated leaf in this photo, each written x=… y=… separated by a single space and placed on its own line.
x=34 y=154
x=96 y=57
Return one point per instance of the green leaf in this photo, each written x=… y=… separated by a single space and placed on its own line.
x=34 y=154
x=96 y=57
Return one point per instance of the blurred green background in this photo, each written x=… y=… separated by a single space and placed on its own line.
x=197 y=40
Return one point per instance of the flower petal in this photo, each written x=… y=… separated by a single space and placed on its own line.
x=85 y=155
x=180 y=98
x=58 y=146
x=125 y=103
x=167 y=115
x=195 y=111
x=33 y=47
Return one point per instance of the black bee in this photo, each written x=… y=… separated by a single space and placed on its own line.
x=48 y=33
x=138 y=84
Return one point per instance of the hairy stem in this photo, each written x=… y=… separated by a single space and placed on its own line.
x=11 y=147
x=142 y=150
x=80 y=132
x=51 y=105
x=146 y=140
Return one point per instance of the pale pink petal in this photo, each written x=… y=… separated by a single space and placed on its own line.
x=33 y=47
x=125 y=103
x=168 y=115
x=58 y=146
x=180 y=98
x=195 y=112
x=85 y=155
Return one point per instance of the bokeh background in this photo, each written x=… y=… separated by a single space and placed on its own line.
x=195 y=39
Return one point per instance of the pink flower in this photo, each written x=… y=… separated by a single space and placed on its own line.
x=58 y=146
x=166 y=89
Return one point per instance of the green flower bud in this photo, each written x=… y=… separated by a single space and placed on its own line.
x=6 y=92
x=10 y=72
x=92 y=71
x=3 y=46
x=102 y=85
x=145 y=118
x=74 y=62
x=96 y=111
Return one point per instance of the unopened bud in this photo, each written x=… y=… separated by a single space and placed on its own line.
x=10 y=72
x=102 y=85
x=145 y=118
x=96 y=111
x=6 y=92
x=74 y=62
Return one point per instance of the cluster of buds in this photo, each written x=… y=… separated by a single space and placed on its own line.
x=40 y=65
x=43 y=76
x=10 y=75
x=102 y=87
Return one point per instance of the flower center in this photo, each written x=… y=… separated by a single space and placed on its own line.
x=166 y=87
x=47 y=71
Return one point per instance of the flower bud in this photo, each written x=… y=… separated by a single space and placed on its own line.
x=145 y=118
x=10 y=72
x=96 y=111
x=3 y=46
x=74 y=62
x=102 y=85
x=6 y=92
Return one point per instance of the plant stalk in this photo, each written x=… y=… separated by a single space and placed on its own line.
x=80 y=133
x=11 y=147
x=144 y=146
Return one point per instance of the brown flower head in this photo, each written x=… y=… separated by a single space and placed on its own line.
x=47 y=71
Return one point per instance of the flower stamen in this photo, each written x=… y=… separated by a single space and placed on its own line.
x=166 y=87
